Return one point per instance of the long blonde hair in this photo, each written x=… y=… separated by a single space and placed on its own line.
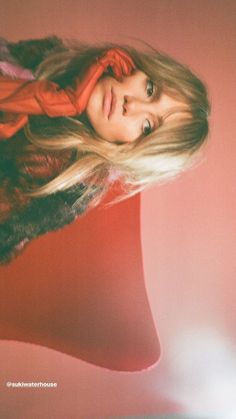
x=155 y=158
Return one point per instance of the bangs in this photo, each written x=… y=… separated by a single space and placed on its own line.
x=181 y=136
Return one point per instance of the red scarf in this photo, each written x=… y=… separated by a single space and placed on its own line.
x=19 y=98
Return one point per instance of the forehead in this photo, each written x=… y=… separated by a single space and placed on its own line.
x=172 y=110
x=166 y=108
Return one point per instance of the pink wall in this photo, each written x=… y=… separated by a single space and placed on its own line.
x=187 y=232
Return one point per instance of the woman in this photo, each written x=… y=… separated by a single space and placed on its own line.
x=93 y=115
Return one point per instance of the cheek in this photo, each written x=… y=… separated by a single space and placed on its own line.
x=121 y=129
x=130 y=130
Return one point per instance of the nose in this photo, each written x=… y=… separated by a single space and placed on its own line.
x=134 y=106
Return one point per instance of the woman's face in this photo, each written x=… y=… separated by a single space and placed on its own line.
x=125 y=110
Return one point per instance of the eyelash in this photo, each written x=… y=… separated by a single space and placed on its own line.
x=150 y=86
x=148 y=128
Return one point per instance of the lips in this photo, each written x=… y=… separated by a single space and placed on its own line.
x=109 y=104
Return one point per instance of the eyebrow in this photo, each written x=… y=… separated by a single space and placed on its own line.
x=175 y=110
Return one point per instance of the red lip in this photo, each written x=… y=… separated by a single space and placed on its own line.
x=113 y=104
x=109 y=104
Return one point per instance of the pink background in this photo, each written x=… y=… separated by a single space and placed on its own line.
x=187 y=239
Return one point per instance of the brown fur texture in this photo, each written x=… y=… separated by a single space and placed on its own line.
x=23 y=166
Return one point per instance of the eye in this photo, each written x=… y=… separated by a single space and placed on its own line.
x=150 y=88
x=147 y=128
